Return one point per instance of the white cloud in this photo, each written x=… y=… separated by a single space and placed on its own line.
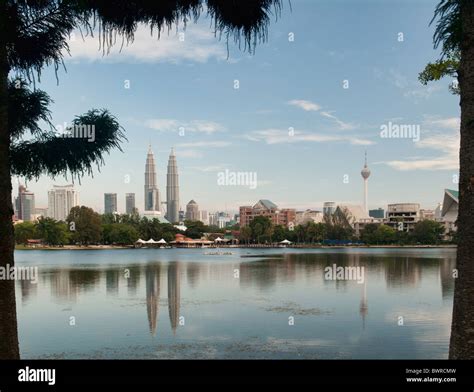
x=190 y=154
x=314 y=107
x=199 y=45
x=278 y=136
x=305 y=105
x=171 y=125
x=447 y=146
x=451 y=123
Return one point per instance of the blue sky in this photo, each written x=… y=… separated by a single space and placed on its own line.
x=286 y=84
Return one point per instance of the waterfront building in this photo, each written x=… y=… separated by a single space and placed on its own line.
x=60 y=201
x=151 y=191
x=449 y=214
x=130 y=203
x=365 y=173
x=192 y=211
x=172 y=189
x=403 y=216
x=378 y=213
x=150 y=215
x=110 y=203
x=285 y=217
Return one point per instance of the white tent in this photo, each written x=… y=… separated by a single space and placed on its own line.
x=150 y=241
x=162 y=241
x=140 y=241
x=285 y=242
x=218 y=239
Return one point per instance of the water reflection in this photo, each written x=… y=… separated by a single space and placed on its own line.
x=289 y=283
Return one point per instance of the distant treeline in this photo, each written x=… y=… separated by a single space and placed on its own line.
x=84 y=226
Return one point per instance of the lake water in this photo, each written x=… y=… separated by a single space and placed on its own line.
x=184 y=303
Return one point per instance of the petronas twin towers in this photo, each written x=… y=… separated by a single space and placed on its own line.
x=152 y=193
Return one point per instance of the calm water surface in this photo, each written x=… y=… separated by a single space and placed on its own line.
x=182 y=303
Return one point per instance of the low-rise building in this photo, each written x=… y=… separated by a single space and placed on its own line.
x=285 y=217
x=303 y=217
x=403 y=216
x=449 y=211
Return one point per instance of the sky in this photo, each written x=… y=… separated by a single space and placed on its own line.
x=298 y=114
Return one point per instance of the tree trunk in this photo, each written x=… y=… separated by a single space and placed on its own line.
x=8 y=325
x=462 y=329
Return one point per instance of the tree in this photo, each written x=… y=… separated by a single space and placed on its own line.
x=428 y=232
x=119 y=233
x=447 y=66
x=262 y=228
x=279 y=233
x=194 y=229
x=245 y=234
x=52 y=232
x=34 y=34
x=455 y=33
x=84 y=224
x=24 y=231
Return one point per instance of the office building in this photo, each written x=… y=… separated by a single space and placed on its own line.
x=60 y=201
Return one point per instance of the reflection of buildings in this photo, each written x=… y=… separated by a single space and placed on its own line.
x=152 y=285
x=112 y=281
x=62 y=287
x=364 y=305
x=446 y=270
x=174 y=294
x=28 y=289
x=403 y=272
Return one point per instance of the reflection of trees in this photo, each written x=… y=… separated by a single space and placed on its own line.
x=152 y=286
x=174 y=295
x=406 y=272
x=112 y=281
x=27 y=289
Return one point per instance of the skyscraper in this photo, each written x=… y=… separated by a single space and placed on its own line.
x=365 y=173
x=60 y=201
x=110 y=203
x=172 y=190
x=129 y=203
x=192 y=211
x=152 y=194
x=25 y=204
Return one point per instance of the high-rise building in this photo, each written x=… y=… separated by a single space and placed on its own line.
x=204 y=217
x=329 y=208
x=365 y=173
x=25 y=205
x=28 y=206
x=130 y=203
x=192 y=211
x=110 y=203
x=152 y=194
x=60 y=201
x=21 y=189
x=172 y=189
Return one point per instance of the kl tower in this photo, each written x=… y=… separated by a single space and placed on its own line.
x=365 y=173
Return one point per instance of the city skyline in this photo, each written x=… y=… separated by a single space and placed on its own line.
x=293 y=123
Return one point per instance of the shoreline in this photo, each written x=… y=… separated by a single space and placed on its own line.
x=118 y=247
